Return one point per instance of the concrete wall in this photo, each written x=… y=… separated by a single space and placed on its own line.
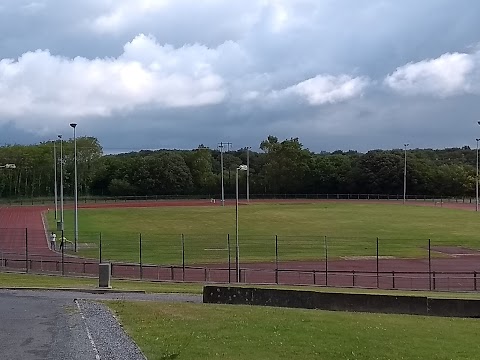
x=454 y=307
x=390 y=304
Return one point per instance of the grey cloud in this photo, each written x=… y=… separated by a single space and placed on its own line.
x=256 y=52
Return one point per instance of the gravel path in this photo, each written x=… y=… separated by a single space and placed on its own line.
x=106 y=336
x=57 y=325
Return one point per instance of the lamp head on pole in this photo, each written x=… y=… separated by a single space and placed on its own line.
x=59 y=136
x=242 y=168
x=10 y=166
x=73 y=125
x=478 y=122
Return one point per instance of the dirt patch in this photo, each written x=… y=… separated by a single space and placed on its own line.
x=455 y=251
x=87 y=245
x=367 y=257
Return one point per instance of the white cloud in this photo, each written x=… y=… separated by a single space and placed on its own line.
x=121 y=14
x=41 y=84
x=448 y=75
x=327 y=89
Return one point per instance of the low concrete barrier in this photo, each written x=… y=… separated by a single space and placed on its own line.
x=390 y=304
x=454 y=307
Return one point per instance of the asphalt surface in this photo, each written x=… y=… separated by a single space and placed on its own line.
x=62 y=325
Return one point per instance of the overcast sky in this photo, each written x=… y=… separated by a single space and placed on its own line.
x=338 y=74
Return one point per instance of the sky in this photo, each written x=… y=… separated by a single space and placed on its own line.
x=151 y=74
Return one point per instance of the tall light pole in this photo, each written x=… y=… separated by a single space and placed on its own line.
x=221 y=145
x=476 y=181
x=405 y=174
x=237 y=246
x=221 y=166
x=75 y=215
x=61 y=184
x=55 y=175
x=248 y=173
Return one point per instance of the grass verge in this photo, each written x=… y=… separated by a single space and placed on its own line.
x=204 y=331
x=9 y=280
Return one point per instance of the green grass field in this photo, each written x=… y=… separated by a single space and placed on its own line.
x=41 y=281
x=204 y=331
x=350 y=230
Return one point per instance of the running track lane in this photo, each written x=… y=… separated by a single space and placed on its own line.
x=15 y=222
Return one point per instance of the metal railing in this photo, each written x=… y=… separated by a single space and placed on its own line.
x=286 y=260
x=138 y=198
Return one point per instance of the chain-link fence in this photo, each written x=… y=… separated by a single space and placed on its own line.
x=82 y=200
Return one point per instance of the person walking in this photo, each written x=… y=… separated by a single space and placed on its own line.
x=53 y=240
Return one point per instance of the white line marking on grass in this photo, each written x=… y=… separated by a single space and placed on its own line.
x=97 y=356
x=45 y=228
x=215 y=249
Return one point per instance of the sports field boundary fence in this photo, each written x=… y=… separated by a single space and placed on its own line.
x=137 y=198
x=332 y=265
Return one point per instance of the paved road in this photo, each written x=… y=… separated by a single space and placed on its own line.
x=67 y=325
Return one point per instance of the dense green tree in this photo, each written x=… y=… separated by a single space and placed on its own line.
x=286 y=166
x=200 y=163
x=280 y=167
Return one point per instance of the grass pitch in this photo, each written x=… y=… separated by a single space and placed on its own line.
x=304 y=230
x=194 y=331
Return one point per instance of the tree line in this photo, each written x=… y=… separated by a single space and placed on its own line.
x=280 y=167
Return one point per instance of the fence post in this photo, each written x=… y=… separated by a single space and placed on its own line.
x=434 y=280
x=429 y=265
x=229 y=260
x=377 y=267
x=326 y=259
x=140 y=253
x=100 y=248
x=475 y=280
x=62 y=245
x=26 y=250
x=183 y=257
x=393 y=279
x=276 y=259
x=353 y=278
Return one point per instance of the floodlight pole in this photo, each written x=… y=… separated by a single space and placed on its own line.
x=61 y=183
x=405 y=175
x=75 y=216
x=248 y=173
x=55 y=175
x=237 y=247
x=476 y=181
x=221 y=145
x=237 y=244
x=221 y=166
